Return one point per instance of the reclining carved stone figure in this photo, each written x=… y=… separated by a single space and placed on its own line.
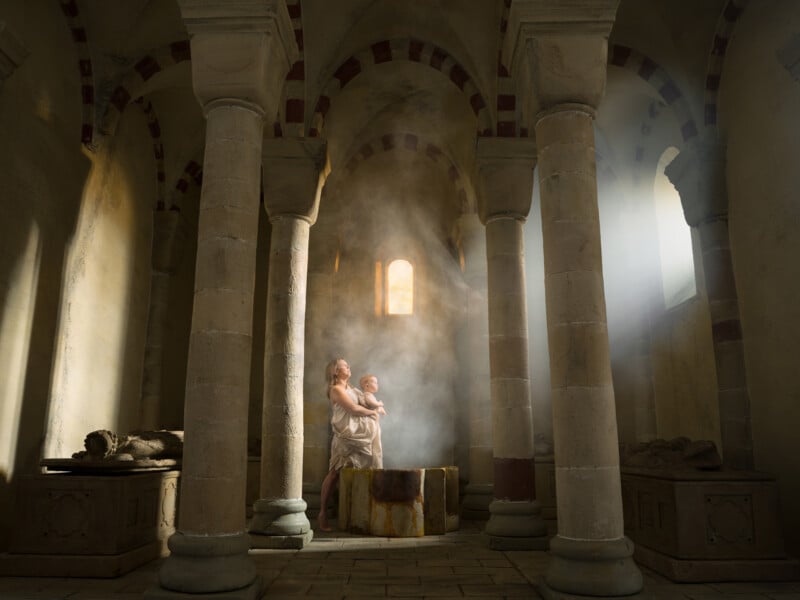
x=146 y=445
x=680 y=452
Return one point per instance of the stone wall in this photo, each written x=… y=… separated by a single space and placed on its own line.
x=758 y=111
x=42 y=171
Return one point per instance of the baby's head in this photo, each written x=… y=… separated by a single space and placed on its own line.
x=368 y=383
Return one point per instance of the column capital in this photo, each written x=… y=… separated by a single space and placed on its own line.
x=12 y=52
x=241 y=50
x=505 y=177
x=558 y=51
x=698 y=173
x=291 y=169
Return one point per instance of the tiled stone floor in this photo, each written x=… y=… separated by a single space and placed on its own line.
x=341 y=566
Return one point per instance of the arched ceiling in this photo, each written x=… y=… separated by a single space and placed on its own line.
x=400 y=96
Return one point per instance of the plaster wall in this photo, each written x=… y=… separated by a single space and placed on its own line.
x=42 y=171
x=758 y=104
x=103 y=314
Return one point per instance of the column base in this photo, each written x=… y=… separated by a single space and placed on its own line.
x=587 y=568
x=280 y=542
x=477 y=498
x=207 y=564
x=254 y=591
x=283 y=519
x=515 y=525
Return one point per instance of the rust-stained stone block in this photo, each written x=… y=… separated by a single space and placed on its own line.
x=398 y=502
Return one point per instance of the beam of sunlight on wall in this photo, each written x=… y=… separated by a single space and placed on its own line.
x=674 y=237
x=15 y=338
x=93 y=320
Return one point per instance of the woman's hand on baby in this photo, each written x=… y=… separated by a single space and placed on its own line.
x=381 y=410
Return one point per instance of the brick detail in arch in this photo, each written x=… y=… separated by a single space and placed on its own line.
x=78 y=33
x=142 y=71
x=158 y=150
x=716 y=57
x=509 y=116
x=192 y=173
x=291 y=121
x=412 y=142
x=658 y=78
x=406 y=49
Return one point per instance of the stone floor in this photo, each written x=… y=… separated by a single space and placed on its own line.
x=336 y=565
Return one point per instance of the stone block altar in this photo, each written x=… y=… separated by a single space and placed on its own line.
x=702 y=526
x=399 y=502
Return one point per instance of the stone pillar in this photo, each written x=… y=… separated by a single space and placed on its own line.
x=12 y=53
x=505 y=168
x=561 y=50
x=319 y=349
x=698 y=173
x=241 y=53
x=479 y=490
x=291 y=175
x=165 y=253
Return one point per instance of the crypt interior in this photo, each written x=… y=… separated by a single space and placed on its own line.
x=556 y=231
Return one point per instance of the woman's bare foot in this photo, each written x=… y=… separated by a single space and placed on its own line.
x=322 y=520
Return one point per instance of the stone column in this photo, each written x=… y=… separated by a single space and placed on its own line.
x=698 y=173
x=479 y=491
x=165 y=253
x=505 y=168
x=291 y=175
x=319 y=349
x=12 y=53
x=562 y=49
x=240 y=54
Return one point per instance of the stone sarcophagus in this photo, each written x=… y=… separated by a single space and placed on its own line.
x=696 y=526
x=77 y=524
x=399 y=502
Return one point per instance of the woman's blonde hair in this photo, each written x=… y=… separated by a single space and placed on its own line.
x=331 y=373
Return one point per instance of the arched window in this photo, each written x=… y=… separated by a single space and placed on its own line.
x=394 y=288
x=399 y=288
x=674 y=237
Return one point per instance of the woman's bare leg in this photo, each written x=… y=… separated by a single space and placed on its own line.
x=325 y=493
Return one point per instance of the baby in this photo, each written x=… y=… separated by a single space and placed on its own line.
x=369 y=385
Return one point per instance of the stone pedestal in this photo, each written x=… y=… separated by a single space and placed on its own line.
x=70 y=525
x=477 y=498
x=399 y=502
x=546 y=485
x=696 y=526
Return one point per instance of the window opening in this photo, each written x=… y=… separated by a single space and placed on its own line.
x=399 y=288
x=674 y=238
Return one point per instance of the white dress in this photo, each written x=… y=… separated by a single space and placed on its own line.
x=354 y=437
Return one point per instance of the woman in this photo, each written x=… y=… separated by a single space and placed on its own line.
x=355 y=428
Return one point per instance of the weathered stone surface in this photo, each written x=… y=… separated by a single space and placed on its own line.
x=91 y=525
x=394 y=502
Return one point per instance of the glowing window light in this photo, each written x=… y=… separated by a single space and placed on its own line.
x=399 y=288
x=674 y=236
